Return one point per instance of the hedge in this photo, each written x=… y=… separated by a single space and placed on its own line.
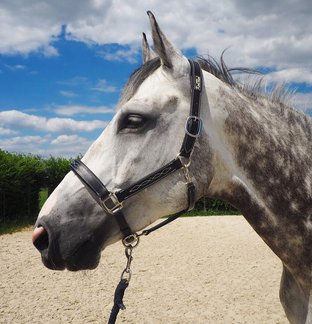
x=22 y=177
x=26 y=178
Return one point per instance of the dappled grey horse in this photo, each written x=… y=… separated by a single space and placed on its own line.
x=253 y=151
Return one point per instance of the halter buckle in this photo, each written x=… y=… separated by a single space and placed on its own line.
x=111 y=203
x=193 y=126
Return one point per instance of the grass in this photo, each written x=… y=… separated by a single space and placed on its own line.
x=43 y=196
x=13 y=226
x=211 y=212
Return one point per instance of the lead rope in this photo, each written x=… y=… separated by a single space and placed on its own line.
x=129 y=243
x=132 y=241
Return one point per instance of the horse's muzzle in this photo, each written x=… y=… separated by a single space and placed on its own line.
x=50 y=256
x=58 y=254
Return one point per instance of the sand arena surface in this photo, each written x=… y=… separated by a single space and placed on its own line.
x=195 y=270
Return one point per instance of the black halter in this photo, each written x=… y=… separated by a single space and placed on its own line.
x=112 y=202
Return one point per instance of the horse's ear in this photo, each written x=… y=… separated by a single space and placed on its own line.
x=167 y=52
x=147 y=53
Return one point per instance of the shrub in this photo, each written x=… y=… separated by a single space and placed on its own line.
x=22 y=180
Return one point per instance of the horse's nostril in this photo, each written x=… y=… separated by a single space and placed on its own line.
x=40 y=238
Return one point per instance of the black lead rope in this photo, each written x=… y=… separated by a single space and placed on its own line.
x=124 y=280
x=118 y=303
x=134 y=240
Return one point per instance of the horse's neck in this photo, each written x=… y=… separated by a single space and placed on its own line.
x=263 y=166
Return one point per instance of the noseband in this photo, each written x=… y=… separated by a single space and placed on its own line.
x=112 y=202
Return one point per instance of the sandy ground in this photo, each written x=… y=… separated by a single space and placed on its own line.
x=195 y=270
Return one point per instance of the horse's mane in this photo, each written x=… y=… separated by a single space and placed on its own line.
x=221 y=70
x=253 y=89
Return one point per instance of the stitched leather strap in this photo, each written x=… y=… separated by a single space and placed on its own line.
x=149 y=180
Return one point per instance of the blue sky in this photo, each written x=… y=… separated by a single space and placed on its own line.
x=63 y=65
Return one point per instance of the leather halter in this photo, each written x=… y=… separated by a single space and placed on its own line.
x=112 y=202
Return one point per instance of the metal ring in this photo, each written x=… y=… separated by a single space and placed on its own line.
x=126 y=277
x=132 y=240
x=186 y=162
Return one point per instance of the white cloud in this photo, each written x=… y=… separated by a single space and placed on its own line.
x=20 y=30
x=63 y=145
x=16 y=67
x=16 y=120
x=49 y=51
x=103 y=86
x=22 y=140
x=298 y=75
x=70 y=110
x=76 y=81
x=68 y=94
x=68 y=145
x=302 y=101
x=6 y=131
x=24 y=144
x=125 y=54
x=67 y=140
x=259 y=33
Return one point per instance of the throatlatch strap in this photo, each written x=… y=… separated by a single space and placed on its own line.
x=191 y=203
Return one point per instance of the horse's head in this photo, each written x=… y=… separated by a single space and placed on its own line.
x=145 y=134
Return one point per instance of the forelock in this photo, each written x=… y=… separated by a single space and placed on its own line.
x=137 y=78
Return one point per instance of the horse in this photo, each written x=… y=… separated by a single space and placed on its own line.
x=248 y=149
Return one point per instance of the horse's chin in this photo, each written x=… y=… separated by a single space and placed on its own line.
x=87 y=257
x=79 y=267
x=74 y=263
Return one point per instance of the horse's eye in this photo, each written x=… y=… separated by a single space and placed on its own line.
x=133 y=122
